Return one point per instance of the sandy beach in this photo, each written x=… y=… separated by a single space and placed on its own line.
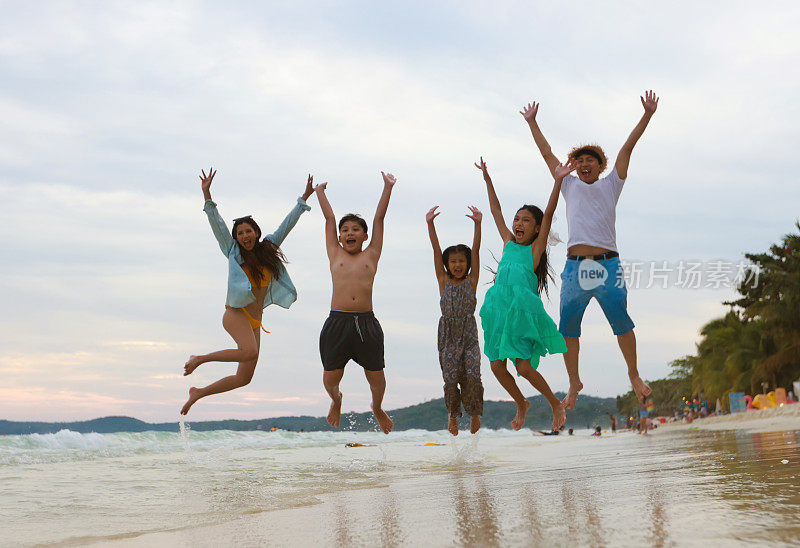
x=724 y=481
x=685 y=485
x=775 y=419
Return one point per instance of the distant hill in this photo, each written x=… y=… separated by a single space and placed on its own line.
x=430 y=415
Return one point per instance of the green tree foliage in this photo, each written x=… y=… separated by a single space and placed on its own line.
x=775 y=300
x=757 y=341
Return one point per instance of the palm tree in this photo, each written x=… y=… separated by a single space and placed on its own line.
x=775 y=300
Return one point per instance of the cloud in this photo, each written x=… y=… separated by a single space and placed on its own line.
x=114 y=277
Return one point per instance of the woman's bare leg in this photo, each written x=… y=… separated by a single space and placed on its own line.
x=246 y=338
x=507 y=381
x=535 y=378
x=246 y=350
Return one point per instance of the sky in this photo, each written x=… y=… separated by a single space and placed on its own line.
x=111 y=277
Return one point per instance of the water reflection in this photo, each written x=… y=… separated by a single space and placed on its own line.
x=390 y=530
x=696 y=486
x=581 y=517
x=476 y=518
x=531 y=510
x=658 y=515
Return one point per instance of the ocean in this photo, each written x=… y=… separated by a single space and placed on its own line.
x=678 y=486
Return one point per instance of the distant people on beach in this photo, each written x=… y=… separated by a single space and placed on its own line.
x=613 y=422
x=592 y=247
x=644 y=413
x=549 y=433
x=352 y=331
x=597 y=431
x=516 y=326
x=457 y=269
x=256 y=278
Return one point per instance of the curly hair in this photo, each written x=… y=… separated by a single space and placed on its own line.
x=591 y=150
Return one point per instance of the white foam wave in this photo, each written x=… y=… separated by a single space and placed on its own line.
x=67 y=445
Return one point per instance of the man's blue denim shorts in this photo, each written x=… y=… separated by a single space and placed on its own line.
x=583 y=279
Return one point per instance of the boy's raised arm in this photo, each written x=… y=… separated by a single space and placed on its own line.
x=331 y=241
x=438 y=265
x=494 y=204
x=376 y=243
x=540 y=243
x=649 y=102
x=529 y=113
x=475 y=263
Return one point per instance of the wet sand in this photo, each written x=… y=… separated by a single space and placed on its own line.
x=677 y=487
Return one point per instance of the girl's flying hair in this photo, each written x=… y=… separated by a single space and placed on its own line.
x=543 y=270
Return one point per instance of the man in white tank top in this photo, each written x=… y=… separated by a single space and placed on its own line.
x=593 y=269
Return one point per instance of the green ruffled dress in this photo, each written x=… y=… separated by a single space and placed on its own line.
x=515 y=324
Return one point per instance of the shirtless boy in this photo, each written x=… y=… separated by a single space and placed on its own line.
x=591 y=217
x=352 y=332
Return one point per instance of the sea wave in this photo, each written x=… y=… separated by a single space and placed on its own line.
x=67 y=445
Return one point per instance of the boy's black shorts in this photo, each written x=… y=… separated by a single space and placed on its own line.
x=351 y=336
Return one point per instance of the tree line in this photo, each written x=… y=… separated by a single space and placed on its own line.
x=757 y=341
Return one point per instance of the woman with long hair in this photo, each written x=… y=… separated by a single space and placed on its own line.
x=256 y=278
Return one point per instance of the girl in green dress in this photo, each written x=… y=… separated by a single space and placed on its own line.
x=515 y=324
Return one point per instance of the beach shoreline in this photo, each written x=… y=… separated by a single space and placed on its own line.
x=774 y=419
x=558 y=491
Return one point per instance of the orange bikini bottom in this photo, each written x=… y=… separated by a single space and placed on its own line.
x=254 y=323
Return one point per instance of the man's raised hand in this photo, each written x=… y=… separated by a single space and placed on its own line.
x=321 y=187
x=562 y=170
x=529 y=112
x=649 y=102
x=205 y=180
x=388 y=179
x=432 y=214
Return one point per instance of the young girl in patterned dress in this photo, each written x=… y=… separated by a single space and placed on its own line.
x=457 y=270
x=515 y=324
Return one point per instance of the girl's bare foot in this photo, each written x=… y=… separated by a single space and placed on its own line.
x=522 y=410
x=559 y=416
x=191 y=364
x=572 y=395
x=383 y=419
x=452 y=425
x=474 y=424
x=193 y=397
x=335 y=413
x=641 y=388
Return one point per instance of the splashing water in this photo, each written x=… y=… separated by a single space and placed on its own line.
x=467 y=453
x=184 y=434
